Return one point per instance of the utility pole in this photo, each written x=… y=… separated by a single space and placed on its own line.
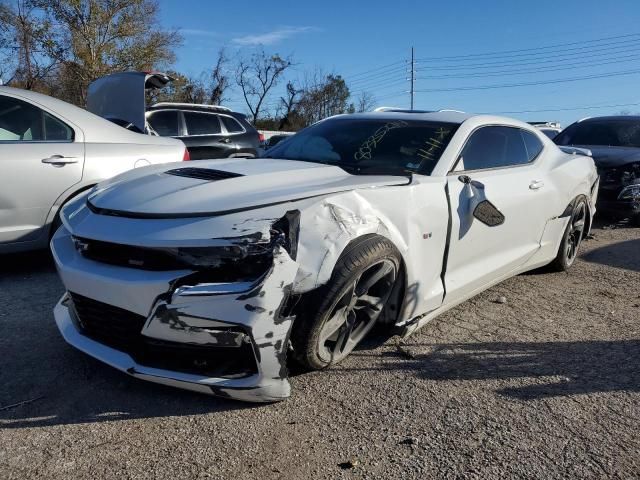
x=413 y=76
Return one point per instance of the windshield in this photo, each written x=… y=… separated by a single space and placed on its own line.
x=369 y=146
x=613 y=133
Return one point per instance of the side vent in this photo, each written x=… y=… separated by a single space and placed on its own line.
x=202 y=173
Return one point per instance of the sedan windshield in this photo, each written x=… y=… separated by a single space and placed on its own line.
x=613 y=133
x=365 y=146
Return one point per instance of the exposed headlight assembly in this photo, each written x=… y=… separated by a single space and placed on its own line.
x=632 y=192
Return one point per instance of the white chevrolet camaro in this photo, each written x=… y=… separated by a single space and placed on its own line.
x=208 y=277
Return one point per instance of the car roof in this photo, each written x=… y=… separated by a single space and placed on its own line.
x=444 y=116
x=447 y=116
x=630 y=118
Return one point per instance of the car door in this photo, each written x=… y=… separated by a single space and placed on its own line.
x=41 y=157
x=204 y=136
x=499 y=207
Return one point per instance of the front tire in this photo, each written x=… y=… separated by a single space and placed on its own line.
x=344 y=311
x=572 y=237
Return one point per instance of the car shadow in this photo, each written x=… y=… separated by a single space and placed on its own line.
x=540 y=370
x=619 y=255
x=79 y=389
x=26 y=262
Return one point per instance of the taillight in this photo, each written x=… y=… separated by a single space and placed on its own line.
x=261 y=137
x=186 y=155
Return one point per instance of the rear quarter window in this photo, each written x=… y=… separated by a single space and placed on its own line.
x=231 y=124
x=533 y=144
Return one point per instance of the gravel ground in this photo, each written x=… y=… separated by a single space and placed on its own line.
x=546 y=385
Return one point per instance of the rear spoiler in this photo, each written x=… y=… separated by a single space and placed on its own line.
x=575 y=150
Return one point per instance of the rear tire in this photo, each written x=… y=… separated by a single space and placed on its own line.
x=339 y=315
x=572 y=237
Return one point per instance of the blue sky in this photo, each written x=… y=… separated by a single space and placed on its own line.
x=458 y=44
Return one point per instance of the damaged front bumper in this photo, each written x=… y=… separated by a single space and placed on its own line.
x=228 y=338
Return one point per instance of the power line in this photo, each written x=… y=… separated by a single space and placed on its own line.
x=374 y=69
x=531 y=49
x=385 y=84
x=565 y=66
x=375 y=79
x=631 y=46
x=523 y=84
x=568 y=109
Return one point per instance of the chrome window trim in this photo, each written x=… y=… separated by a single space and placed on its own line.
x=43 y=111
x=23 y=142
x=186 y=129
x=244 y=130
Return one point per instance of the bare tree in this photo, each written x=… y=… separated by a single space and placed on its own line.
x=365 y=102
x=287 y=105
x=219 y=79
x=322 y=97
x=256 y=76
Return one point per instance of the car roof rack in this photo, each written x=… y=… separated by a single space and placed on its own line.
x=400 y=110
x=199 y=105
x=545 y=124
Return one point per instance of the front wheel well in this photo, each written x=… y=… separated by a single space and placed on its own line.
x=298 y=303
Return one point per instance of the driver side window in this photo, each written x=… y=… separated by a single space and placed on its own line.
x=494 y=147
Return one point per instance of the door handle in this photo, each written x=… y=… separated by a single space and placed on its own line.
x=225 y=140
x=59 y=160
x=536 y=184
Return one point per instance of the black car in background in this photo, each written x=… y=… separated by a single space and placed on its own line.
x=208 y=131
x=273 y=140
x=615 y=145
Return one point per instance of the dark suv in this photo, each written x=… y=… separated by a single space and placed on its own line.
x=207 y=131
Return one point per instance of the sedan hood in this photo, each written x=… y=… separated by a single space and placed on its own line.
x=218 y=187
x=607 y=157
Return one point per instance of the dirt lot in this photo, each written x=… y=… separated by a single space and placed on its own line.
x=546 y=385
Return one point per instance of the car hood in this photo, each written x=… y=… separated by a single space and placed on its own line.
x=218 y=187
x=607 y=157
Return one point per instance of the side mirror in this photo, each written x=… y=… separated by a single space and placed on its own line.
x=483 y=210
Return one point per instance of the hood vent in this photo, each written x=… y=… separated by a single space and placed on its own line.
x=203 y=173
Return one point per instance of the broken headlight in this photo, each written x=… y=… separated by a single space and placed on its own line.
x=632 y=192
x=631 y=174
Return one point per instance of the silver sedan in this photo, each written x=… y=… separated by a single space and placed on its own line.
x=50 y=151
